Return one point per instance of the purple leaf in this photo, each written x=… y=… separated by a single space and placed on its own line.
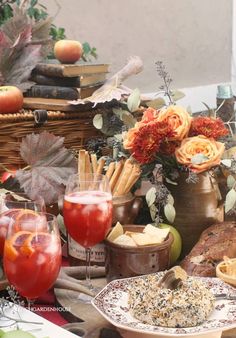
x=51 y=165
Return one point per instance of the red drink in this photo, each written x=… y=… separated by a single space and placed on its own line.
x=32 y=262
x=88 y=216
x=23 y=218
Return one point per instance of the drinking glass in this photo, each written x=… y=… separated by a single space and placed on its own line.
x=16 y=205
x=32 y=257
x=87 y=212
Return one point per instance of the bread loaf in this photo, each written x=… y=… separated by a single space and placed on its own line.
x=215 y=242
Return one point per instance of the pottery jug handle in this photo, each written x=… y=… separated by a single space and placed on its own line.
x=137 y=204
x=220 y=202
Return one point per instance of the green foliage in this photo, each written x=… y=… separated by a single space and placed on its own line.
x=35 y=11
x=57 y=33
x=88 y=52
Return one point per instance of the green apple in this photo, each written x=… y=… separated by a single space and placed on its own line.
x=176 y=246
x=17 y=334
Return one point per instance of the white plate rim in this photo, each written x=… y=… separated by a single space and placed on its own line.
x=156 y=333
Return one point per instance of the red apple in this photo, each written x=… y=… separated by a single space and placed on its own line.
x=68 y=51
x=11 y=99
x=7 y=174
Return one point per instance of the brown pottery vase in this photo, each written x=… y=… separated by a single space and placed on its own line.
x=126 y=208
x=198 y=205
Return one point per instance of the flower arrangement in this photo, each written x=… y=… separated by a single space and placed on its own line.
x=167 y=140
x=171 y=136
x=178 y=142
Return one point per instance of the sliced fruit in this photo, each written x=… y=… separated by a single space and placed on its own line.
x=15 y=244
x=35 y=241
x=29 y=220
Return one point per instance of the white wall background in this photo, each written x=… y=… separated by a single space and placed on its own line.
x=192 y=37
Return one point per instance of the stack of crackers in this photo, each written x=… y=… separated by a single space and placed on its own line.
x=122 y=175
x=150 y=235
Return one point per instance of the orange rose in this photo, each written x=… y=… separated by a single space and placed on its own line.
x=179 y=119
x=209 y=151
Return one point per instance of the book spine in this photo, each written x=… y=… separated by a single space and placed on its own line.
x=55 y=81
x=49 y=70
x=53 y=92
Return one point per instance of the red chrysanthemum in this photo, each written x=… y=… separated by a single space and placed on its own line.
x=149 y=115
x=209 y=127
x=148 y=139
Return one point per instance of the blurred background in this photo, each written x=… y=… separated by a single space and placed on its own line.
x=194 y=39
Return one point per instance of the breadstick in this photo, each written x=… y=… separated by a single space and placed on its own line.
x=134 y=176
x=81 y=162
x=116 y=174
x=110 y=170
x=88 y=168
x=81 y=167
x=100 y=166
x=123 y=179
x=94 y=162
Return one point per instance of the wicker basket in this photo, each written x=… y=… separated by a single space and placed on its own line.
x=77 y=127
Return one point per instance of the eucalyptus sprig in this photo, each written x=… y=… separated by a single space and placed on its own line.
x=159 y=198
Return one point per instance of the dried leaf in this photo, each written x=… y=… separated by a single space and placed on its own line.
x=211 y=112
x=229 y=153
x=170 y=213
x=22 y=68
x=19 y=50
x=157 y=103
x=177 y=95
x=230 y=181
x=128 y=119
x=170 y=182
x=51 y=165
x=113 y=88
x=230 y=200
x=23 y=38
x=133 y=101
x=118 y=112
x=227 y=163
x=170 y=199
x=16 y=24
x=41 y=29
x=98 y=121
x=151 y=196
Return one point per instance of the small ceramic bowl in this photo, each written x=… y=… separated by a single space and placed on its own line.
x=221 y=273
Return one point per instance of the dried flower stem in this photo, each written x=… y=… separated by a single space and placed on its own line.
x=161 y=70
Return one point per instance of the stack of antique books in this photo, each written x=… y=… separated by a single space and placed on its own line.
x=67 y=81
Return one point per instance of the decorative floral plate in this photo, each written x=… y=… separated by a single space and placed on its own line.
x=112 y=303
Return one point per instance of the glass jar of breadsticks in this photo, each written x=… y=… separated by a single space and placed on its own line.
x=122 y=176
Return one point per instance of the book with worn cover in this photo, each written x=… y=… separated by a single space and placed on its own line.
x=58 y=92
x=77 y=81
x=70 y=70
